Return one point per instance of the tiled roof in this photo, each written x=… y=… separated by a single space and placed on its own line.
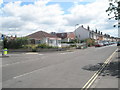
x=40 y=35
x=64 y=35
x=71 y=35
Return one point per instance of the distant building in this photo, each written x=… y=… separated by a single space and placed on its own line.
x=82 y=33
x=66 y=37
x=42 y=37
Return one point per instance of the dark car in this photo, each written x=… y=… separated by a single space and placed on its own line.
x=118 y=43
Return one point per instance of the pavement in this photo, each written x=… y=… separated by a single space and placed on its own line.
x=52 y=70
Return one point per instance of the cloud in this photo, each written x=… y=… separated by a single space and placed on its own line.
x=92 y=14
x=40 y=16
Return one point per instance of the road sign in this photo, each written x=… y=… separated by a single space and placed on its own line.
x=2 y=37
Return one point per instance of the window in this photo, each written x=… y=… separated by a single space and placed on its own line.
x=62 y=34
x=59 y=41
x=50 y=41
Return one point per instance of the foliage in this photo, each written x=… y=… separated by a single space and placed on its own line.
x=5 y=43
x=114 y=9
x=15 y=43
x=33 y=47
x=73 y=45
x=71 y=42
x=90 y=42
x=44 y=46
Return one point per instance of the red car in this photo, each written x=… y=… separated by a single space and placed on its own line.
x=98 y=44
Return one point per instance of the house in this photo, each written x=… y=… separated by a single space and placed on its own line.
x=11 y=37
x=42 y=37
x=94 y=35
x=106 y=37
x=66 y=37
x=100 y=36
x=82 y=33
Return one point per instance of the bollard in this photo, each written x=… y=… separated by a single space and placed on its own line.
x=5 y=52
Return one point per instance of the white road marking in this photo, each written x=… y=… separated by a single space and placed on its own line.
x=94 y=77
x=63 y=53
x=31 y=53
x=41 y=54
x=26 y=74
x=67 y=53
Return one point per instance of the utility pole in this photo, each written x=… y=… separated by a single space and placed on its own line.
x=118 y=19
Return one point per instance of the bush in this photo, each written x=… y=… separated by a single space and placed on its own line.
x=45 y=46
x=90 y=42
x=15 y=43
x=73 y=45
x=31 y=46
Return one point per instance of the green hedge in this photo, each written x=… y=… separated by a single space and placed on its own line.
x=15 y=43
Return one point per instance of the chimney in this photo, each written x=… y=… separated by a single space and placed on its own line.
x=15 y=36
x=101 y=33
x=88 y=28
x=96 y=30
x=53 y=33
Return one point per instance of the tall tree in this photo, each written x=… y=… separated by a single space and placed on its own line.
x=114 y=12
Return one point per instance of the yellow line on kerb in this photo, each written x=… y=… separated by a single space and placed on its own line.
x=94 y=77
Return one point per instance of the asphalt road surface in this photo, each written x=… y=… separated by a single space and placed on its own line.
x=52 y=70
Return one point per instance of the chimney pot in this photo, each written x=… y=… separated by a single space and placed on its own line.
x=88 y=28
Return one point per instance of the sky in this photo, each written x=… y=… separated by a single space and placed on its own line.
x=23 y=17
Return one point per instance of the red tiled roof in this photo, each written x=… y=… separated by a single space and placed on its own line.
x=62 y=35
x=40 y=35
x=70 y=35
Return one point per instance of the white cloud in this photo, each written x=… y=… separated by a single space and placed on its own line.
x=39 y=16
x=92 y=14
x=1 y=1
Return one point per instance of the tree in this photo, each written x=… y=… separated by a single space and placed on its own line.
x=114 y=11
x=15 y=43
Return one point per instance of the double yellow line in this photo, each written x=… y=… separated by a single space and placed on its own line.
x=94 y=77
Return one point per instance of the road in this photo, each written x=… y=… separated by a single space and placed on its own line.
x=52 y=70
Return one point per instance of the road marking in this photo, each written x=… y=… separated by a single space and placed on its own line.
x=63 y=53
x=41 y=54
x=31 y=53
x=25 y=74
x=67 y=53
x=94 y=77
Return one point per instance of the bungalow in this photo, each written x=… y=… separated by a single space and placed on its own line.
x=66 y=37
x=42 y=37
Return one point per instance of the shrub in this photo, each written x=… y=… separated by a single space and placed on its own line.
x=73 y=45
x=90 y=42
x=15 y=43
x=44 y=46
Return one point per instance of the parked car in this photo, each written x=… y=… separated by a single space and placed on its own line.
x=118 y=43
x=112 y=43
x=98 y=44
x=105 y=43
